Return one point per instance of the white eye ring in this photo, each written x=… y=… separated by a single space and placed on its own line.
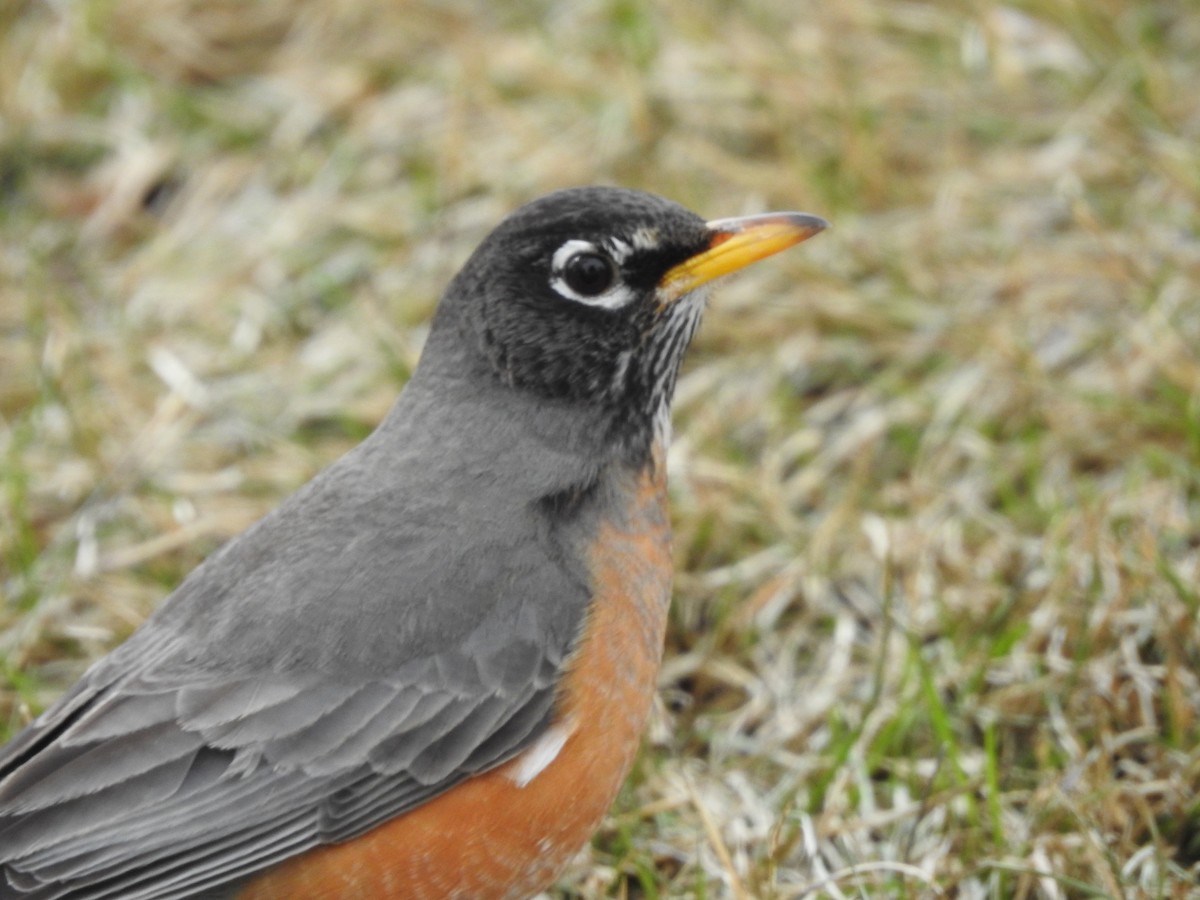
x=615 y=297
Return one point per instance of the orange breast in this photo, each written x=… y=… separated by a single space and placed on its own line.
x=491 y=837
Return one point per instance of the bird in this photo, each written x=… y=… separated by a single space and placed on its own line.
x=425 y=674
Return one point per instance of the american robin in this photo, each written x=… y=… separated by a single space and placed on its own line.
x=425 y=674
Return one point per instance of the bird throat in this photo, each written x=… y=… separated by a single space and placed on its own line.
x=644 y=380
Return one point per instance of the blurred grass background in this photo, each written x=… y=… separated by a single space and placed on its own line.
x=936 y=475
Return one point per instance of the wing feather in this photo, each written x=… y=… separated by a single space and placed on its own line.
x=359 y=651
x=165 y=811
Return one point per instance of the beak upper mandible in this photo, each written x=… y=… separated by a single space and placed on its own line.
x=735 y=244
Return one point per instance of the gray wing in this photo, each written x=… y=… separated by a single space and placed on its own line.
x=323 y=673
x=134 y=792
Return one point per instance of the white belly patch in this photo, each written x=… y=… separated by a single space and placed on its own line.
x=544 y=750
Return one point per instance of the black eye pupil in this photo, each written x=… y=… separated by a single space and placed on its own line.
x=589 y=274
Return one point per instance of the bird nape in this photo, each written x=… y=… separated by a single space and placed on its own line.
x=425 y=674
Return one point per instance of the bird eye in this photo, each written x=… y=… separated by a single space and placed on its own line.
x=589 y=273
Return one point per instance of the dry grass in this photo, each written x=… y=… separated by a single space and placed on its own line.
x=936 y=476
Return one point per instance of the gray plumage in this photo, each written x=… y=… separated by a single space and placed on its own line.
x=396 y=626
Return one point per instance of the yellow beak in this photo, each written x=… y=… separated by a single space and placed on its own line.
x=735 y=244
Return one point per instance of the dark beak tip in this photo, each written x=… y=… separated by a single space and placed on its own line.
x=806 y=222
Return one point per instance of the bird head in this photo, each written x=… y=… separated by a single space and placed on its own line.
x=590 y=296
